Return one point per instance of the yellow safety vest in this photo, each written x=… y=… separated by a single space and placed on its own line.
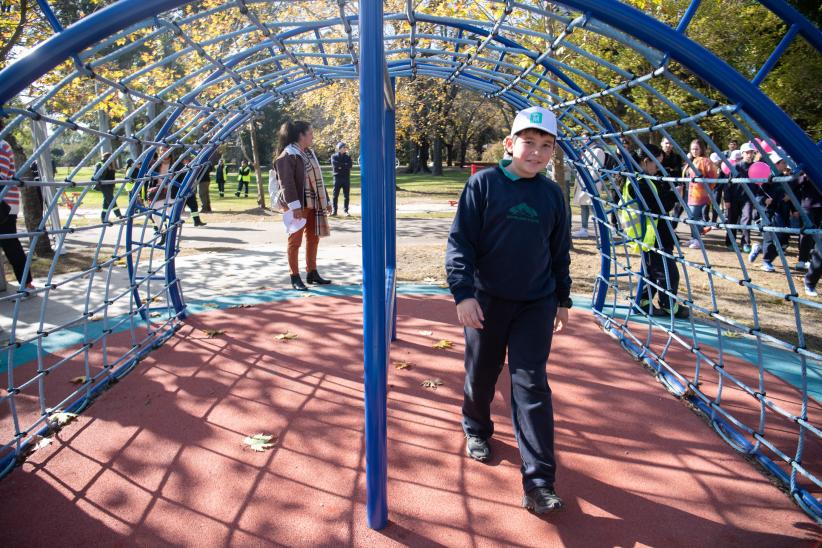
x=637 y=225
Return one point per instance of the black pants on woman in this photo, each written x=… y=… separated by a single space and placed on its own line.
x=13 y=249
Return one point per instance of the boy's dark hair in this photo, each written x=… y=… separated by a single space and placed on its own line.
x=290 y=133
x=541 y=132
x=652 y=153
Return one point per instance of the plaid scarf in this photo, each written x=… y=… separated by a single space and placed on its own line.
x=316 y=195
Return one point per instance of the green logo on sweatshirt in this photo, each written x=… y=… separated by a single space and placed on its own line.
x=523 y=212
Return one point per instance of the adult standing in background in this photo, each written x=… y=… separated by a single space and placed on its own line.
x=9 y=208
x=220 y=176
x=243 y=178
x=105 y=177
x=304 y=197
x=203 y=188
x=594 y=159
x=341 y=163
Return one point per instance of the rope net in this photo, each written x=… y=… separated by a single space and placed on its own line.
x=165 y=83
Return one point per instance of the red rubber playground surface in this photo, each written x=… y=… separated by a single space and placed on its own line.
x=158 y=459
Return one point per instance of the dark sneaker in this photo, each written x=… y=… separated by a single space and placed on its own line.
x=477 y=448
x=542 y=500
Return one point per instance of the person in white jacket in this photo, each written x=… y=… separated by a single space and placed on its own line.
x=594 y=158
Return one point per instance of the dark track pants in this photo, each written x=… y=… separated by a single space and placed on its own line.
x=14 y=249
x=525 y=329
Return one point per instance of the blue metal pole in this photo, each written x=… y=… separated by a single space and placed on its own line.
x=375 y=340
x=391 y=207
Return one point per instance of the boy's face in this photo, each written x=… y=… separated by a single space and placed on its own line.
x=530 y=151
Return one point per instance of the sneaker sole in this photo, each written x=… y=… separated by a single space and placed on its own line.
x=532 y=507
x=477 y=457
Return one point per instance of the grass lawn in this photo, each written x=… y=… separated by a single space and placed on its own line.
x=411 y=188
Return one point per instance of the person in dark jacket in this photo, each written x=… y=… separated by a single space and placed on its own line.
x=204 y=188
x=507 y=262
x=810 y=199
x=220 y=177
x=658 y=198
x=341 y=163
x=105 y=177
x=775 y=202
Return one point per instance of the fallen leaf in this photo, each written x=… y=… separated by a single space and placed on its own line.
x=287 y=336
x=429 y=279
x=213 y=333
x=733 y=334
x=260 y=442
x=443 y=344
x=243 y=306
x=79 y=380
x=38 y=442
x=403 y=365
x=431 y=383
x=211 y=305
x=426 y=333
x=62 y=418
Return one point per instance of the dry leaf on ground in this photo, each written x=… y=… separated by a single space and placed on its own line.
x=431 y=383
x=211 y=305
x=287 y=336
x=79 y=380
x=37 y=443
x=403 y=365
x=260 y=442
x=213 y=333
x=443 y=344
x=426 y=332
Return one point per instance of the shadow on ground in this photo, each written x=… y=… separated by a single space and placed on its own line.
x=159 y=459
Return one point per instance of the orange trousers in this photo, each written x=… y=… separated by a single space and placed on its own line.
x=295 y=240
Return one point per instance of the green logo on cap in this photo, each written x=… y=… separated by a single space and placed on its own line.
x=536 y=117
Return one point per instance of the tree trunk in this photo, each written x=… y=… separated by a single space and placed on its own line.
x=463 y=152
x=255 y=151
x=437 y=156
x=422 y=165
x=412 y=158
x=31 y=203
x=449 y=154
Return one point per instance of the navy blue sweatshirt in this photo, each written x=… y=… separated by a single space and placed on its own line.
x=509 y=239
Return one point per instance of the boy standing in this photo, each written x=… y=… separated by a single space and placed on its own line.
x=507 y=262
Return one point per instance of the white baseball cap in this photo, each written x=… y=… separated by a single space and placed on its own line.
x=747 y=147
x=715 y=158
x=736 y=155
x=536 y=118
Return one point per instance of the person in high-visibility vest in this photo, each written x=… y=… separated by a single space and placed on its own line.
x=243 y=178
x=655 y=235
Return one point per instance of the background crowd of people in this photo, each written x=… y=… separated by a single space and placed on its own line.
x=760 y=209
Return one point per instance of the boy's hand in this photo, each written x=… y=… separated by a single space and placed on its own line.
x=561 y=319
x=469 y=313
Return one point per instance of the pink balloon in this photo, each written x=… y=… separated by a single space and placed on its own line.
x=759 y=170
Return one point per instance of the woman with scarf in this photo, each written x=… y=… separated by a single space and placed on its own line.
x=304 y=197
